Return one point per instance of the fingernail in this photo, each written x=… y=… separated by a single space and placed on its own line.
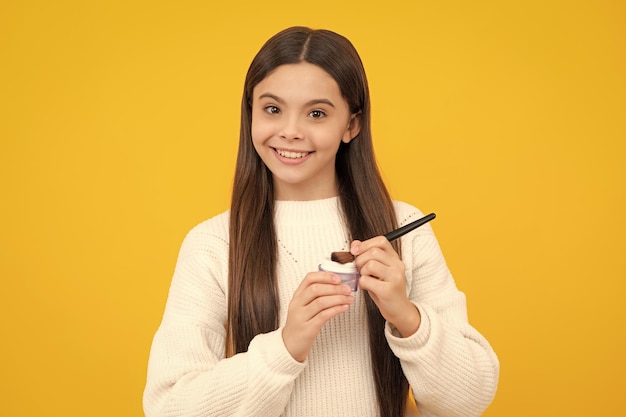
x=356 y=248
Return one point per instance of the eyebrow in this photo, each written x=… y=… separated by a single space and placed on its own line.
x=308 y=103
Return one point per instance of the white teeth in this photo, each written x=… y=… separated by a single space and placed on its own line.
x=291 y=155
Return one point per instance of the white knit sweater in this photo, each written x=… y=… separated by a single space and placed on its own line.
x=451 y=367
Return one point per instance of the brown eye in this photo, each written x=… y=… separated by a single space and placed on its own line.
x=317 y=114
x=272 y=109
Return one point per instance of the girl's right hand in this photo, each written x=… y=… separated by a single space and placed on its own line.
x=319 y=298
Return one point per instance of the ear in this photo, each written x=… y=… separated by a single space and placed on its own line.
x=353 y=129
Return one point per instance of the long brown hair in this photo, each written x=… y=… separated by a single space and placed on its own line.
x=253 y=305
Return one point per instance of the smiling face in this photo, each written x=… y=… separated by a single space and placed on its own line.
x=299 y=119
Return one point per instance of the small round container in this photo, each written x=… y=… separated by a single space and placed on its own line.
x=348 y=272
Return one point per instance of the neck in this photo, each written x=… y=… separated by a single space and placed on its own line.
x=299 y=192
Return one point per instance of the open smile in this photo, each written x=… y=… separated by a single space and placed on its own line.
x=290 y=154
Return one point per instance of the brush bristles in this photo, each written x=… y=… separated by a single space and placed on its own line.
x=342 y=257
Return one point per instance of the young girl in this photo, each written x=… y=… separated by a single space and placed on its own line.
x=251 y=328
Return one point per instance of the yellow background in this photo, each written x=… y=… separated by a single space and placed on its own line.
x=118 y=127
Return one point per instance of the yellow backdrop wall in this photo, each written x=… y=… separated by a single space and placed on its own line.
x=118 y=129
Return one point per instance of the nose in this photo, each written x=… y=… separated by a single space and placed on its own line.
x=290 y=129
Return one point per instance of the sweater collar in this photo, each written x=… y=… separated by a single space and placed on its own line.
x=311 y=211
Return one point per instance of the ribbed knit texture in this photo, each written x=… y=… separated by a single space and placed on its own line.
x=451 y=368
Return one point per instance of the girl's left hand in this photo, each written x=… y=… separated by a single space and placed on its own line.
x=383 y=276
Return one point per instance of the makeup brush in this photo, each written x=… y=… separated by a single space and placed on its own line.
x=345 y=257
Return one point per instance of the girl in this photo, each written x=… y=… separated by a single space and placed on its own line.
x=252 y=329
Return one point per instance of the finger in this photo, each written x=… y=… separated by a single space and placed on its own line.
x=307 y=311
x=310 y=319
x=322 y=303
x=373 y=268
x=383 y=293
x=358 y=247
x=394 y=271
x=319 y=290
x=319 y=319
x=316 y=277
x=317 y=299
x=377 y=248
x=378 y=262
x=372 y=285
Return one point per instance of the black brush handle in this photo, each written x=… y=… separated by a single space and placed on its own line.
x=407 y=228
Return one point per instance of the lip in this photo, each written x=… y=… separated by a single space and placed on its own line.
x=291 y=161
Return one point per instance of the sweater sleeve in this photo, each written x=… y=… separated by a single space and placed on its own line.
x=452 y=369
x=187 y=372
